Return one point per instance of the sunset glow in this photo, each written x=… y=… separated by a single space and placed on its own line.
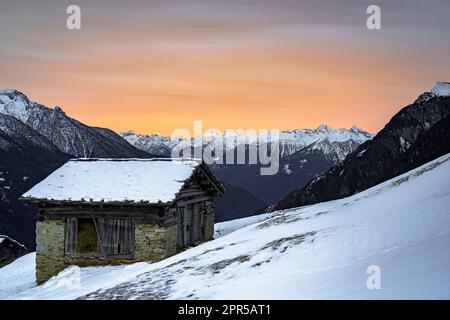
x=156 y=66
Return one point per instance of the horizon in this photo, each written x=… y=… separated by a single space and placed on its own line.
x=236 y=129
x=153 y=67
x=223 y=132
x=152 y=133
x=138 y=133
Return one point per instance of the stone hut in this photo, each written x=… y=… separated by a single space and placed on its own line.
x=116 y=211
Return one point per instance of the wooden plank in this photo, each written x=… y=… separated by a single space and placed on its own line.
x=192 y=193
x=100 y=244
x=199 y=224
x=193 y=225
x=182 y=226
x=70 y=235
x=192 y=201
x=117 y=236
x=187 y=225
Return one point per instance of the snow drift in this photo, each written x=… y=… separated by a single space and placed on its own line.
x=321 y=251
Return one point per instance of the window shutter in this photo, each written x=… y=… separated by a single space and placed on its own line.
x=110 y=236
x=101 y=226
x=128 y=241
x=71 y=235
x=117 y=235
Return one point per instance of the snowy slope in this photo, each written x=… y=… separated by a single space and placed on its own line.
x=314 y=252
x=223 y=228
x=17 y=276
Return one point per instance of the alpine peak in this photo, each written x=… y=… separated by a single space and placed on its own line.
x=441 y=89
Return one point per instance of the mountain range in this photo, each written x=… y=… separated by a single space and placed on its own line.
x=391 y=195
x=67 y=134
x=36 y=140
x=418 y=133
x=290 y=141
x=315 y=164
x=304 y=154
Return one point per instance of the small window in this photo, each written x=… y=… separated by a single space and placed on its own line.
x=100 y=236
x=87 y=237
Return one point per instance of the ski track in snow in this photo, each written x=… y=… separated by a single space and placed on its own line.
x=313 y=252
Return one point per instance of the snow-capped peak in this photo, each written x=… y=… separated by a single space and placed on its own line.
x=356 y=129
x=128 y=133
x=441 y=89
x=290 y=141
x=67 y=134
x=324 y=128
x=14 y=103
x=7 y=91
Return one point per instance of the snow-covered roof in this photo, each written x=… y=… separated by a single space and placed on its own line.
x=115 y=180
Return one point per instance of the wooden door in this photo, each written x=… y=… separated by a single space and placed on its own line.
x=189 y=219
x=196 y=234
x=180 y=227
x=188 y=225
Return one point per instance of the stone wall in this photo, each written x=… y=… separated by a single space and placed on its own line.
x=152 y=243
x=49 y=249
x=208 y=223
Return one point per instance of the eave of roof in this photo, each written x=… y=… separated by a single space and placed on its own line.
x=215 y=182
x=95 y=203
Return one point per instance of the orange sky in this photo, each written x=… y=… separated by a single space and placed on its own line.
x=154 y=67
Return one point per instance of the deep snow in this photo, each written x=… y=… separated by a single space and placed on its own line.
x=17 y=276
x=321 y=251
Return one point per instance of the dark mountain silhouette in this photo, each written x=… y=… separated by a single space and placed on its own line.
x=26 y=157
x=227 y=208
x=414 y=136
x=69 y=135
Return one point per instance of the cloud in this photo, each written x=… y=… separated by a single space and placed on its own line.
x=263 y=63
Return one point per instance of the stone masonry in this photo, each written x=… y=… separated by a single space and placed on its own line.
x=152 y=243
